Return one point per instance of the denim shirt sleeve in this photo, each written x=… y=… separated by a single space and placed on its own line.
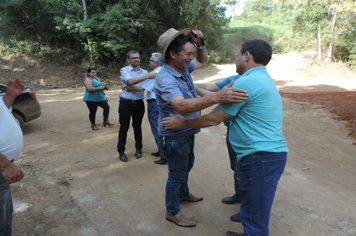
x=226 y=81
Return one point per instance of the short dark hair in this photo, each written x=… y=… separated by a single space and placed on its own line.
x=90 y=69
x=178 y=43
x=259 y=49
x=131 y=52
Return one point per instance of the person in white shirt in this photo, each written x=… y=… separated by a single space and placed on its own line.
x=131 y=103
x=11 y=145
x=156 y=65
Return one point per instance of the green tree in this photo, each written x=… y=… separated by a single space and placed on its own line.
x=104 y=30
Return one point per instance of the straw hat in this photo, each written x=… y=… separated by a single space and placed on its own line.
x=167 y=37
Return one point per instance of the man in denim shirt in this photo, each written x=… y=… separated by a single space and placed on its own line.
x=176 y=94
x=152 y=108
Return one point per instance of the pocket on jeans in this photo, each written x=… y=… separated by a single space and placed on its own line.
x=273 y=170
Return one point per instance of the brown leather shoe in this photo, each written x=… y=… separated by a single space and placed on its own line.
x=93 y=127
x=181 y=220
x=191 y=198
x=107 y=123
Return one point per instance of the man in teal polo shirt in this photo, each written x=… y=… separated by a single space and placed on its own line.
x=255 y=135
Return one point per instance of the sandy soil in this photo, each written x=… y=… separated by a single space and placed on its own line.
x=75 y=184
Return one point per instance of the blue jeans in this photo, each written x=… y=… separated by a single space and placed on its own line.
x=259 y=176
x=180 y=157
x=6 y=208
x=153 y=114
x=234 y=164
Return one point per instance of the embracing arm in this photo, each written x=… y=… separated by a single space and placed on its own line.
x=182 y=105
x=215 y=117
x=225 y=95
x=206 y=89
x=137 y=80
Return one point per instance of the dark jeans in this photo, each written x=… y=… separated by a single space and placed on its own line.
x=259 y=176
x=234 y=164
x=6 y=208
x=128 y=109
x=180 y=157
x=93 y=106
x=153 y=114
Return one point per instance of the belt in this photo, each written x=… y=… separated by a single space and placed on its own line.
x=151 y=100
x=128 y=100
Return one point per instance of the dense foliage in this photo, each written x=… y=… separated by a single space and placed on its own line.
x=102 y=31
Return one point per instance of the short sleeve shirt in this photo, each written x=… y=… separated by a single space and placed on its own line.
x=168 y=85
x=127 y=73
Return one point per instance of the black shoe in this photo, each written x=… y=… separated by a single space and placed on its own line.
x=231 y=200
x=236 y=217
x=160 y=162
x=230 y=233
x=138 y=153
x=123 y=157
x=156 y=154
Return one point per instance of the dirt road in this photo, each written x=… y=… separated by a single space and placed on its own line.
x=75 y=183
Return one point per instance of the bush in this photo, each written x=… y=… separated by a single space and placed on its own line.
x=277 y=48
x=255 y=31
x=221 y=54
x=214 y=57
x=234 y=27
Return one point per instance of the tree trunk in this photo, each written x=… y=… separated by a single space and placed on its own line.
x=85 y=10
x=88 y=39
x=319 y=43
x=332 y=42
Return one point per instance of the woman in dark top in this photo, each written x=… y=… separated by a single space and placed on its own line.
x=95 y=97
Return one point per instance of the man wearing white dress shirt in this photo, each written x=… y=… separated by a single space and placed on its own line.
x=156 y=65
x=131 y=103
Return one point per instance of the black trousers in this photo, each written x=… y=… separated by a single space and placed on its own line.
x=128 y=109
x=93 y=106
